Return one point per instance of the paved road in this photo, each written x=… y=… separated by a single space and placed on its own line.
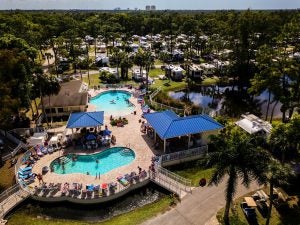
x=199 y=207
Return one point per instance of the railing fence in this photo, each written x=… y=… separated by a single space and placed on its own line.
x=162 y=106
x=183 y=154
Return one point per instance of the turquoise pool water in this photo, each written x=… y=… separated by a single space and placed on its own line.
x=101 y=162
x=114 y=102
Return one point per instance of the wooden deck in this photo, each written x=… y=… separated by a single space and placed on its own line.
x=11 y=198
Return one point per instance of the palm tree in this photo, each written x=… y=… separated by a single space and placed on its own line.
x=236 y=157
x=116 y=57
x=52 y=88
x=148 y=63
x=88 y=62
x=125 y=65
x=48 y=56
x=278 y=174
x=279 y=140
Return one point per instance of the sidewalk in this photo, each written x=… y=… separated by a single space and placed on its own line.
x=198 y=208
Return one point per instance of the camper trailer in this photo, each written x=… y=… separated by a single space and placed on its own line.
x=174 y=72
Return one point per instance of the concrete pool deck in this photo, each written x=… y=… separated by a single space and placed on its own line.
x=129 y=135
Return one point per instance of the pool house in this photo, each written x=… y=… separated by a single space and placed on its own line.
x=176 y=133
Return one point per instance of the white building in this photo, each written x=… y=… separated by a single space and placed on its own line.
x=175 y=72
x=138 y=76
x=112 y=71
x=195 y=71
x=208 y=69
x=254 y=125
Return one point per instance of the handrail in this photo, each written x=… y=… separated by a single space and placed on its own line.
x=184 y=154
x=9 y=191
x=170 y=180
x=160 y=105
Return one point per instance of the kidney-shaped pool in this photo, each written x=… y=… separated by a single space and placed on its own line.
x=93 y=164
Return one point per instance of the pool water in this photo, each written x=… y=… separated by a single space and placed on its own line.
x=114 y=102
x=101 y=162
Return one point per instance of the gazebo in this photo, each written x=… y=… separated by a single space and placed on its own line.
x=167 y=125
x=85 y=119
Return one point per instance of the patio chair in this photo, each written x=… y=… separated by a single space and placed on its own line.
x=96 y=194
x=83 y=194
x=43 y=150
x=50 y=149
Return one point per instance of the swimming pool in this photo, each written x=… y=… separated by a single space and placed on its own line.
x=101 y=162
x=113 y=102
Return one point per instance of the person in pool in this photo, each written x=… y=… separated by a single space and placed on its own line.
x=112 y=102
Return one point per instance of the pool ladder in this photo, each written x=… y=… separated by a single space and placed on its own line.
x=65 y=160
x=128 y=145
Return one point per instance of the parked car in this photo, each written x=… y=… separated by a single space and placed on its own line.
x=1 y=145
x=249 y=213
x=262 y=207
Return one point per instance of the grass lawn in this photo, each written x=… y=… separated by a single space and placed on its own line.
x=167 y=85
x=29 y=113
x=195 y=174
x=210 y=81
x=7 y=178
x=27 y=216
x=94 y=78
x=193 y=170
x=156 y=72
x=158 y=62
x=237 y=217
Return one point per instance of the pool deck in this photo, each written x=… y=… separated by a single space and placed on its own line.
x=129 y=135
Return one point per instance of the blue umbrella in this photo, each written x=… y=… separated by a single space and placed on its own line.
x=90 y=137
x=106 y=132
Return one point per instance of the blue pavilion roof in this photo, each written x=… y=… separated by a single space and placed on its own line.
x=85 y=119
x=168 y=125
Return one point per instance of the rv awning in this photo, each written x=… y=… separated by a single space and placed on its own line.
x=250 y=201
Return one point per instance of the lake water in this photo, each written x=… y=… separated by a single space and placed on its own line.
x=213 y=98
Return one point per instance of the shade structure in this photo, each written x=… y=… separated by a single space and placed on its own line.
x=168 y=125
x=90 y=137
x=85 y=119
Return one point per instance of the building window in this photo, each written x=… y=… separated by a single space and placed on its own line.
x=60 y=110
x=47 y=110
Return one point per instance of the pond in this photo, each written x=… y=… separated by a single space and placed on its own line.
x=95 y=212
x=213 y=97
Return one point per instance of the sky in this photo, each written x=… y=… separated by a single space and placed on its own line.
x=140 y=4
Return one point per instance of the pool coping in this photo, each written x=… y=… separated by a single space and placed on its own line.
x=97 y=94
x=82 y=154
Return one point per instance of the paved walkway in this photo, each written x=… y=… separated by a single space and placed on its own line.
x=198 y=208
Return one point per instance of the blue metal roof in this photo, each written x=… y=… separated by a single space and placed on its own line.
x=168 y=125
x=85 y=119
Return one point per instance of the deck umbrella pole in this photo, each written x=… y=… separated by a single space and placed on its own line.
x=164 y=145
x=189 y=140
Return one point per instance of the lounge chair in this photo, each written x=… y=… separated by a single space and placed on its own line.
x=96 y=193
x=123 y=181
x=43 y=150
x=83 y=194
x=50 y=149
